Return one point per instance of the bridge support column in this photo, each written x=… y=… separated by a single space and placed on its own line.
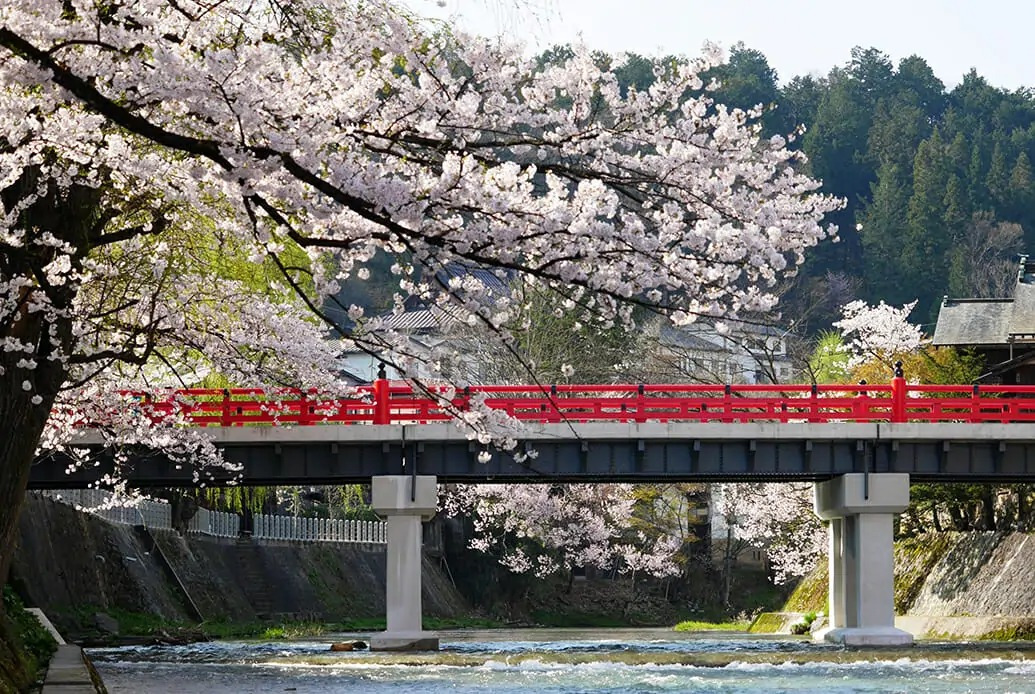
x=404 y=501
x=861 y=509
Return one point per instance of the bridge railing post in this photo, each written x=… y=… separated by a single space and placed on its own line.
x=225 y=414
x=382 y=403
x=861 y=405
x=303 y=407
x=898 y=394
x=814 y=404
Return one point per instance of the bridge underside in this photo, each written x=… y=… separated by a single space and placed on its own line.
x=650 y=452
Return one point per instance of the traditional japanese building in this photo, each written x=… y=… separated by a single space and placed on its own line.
x=1001 y=330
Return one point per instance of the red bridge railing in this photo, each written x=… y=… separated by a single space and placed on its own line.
x=386 y=403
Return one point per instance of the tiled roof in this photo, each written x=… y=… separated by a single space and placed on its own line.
x=973 y=322
x=417 y=320
x=987 y=322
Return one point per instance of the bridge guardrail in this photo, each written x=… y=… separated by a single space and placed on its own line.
x=387 y=403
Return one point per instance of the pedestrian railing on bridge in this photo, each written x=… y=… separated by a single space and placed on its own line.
x=385 y=403
x=157 y=514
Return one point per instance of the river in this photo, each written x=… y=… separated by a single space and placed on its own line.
x=559 y=661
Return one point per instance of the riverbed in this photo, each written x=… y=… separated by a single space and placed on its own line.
x=560 y=661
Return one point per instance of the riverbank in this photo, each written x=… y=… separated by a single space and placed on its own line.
x=966 y=586
x=96 y=579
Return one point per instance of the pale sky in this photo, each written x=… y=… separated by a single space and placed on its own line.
x=797 y=36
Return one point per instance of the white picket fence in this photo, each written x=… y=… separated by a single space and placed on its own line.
x=318 y=529
x=215 y=523
x=157 y=514
x=153 y=514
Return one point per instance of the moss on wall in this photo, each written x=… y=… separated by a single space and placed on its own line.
x=810 y=595
x=915 y=558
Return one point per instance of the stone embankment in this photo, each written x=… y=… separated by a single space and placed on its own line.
x=947 y=585
x=74 y=566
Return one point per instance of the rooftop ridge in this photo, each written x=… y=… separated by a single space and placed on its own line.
x=946 y=301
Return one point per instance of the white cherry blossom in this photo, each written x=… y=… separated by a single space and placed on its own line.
x=311 y=136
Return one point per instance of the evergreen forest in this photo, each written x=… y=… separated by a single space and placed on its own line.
x=937 y=182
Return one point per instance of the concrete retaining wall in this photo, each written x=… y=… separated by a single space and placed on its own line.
x=71 y=564
x=985 y=574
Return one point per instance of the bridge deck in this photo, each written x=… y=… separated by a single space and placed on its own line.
x=594 y=451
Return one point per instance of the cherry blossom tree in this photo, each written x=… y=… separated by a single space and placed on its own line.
x=878 y=333
x=777 y=517
x=335 y=129
x=543 y=529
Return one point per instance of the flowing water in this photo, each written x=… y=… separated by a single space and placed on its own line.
x=568 y=662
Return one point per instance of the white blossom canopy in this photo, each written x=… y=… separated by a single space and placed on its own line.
x=345 y=128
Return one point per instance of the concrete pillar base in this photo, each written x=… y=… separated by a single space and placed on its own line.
x=865 y=636
x=404 y=641
x=404 y=501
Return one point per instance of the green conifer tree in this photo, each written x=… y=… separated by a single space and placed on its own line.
x=927 y=240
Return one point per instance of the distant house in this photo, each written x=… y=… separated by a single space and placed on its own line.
x=1000 y=330
x=424 y=324
x=748 y=353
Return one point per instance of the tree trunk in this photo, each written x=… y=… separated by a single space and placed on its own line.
x=727 y=566
x=958 y=514
x=917 y=525
x=45 y=337
x=1022 y=508
x=21 y=425
x=988 y=507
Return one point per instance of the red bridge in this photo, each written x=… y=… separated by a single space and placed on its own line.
x=640 y=433
x=861 y=444
x=384 y=403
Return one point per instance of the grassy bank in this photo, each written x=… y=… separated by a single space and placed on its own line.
x=25 y=646
x=694 y=625
x=136 y=626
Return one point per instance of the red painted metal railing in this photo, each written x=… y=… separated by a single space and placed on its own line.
x=386 y=403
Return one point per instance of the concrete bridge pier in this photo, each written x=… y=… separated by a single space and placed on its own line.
x=861 y=508
x=404 y=501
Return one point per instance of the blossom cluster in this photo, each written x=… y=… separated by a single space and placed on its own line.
x=776 y=517
x=879 y=332
x=542 y=529
x=313 y=136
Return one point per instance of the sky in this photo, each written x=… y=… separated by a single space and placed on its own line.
x=797 y=36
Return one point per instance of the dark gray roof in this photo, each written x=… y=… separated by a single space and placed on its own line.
x=986 y=322
x=417 y=320
x=423 y=317
x=672 y=336
x=973 y=322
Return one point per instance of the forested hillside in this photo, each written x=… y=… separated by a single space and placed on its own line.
x=938 y=182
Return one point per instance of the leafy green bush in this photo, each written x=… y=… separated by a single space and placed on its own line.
x=36 y=641
x=803 y=627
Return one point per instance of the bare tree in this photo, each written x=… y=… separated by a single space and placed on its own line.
x=983 y=262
